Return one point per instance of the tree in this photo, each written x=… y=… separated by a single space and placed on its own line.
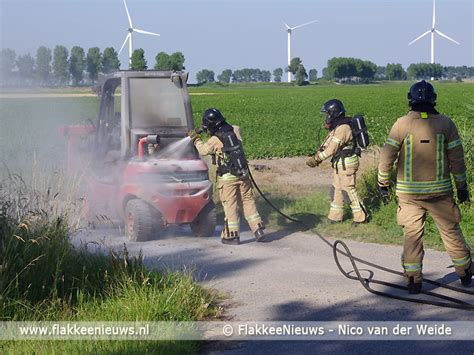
x=365 y=70
x=265 y=76
x=301 y=75
x=380 y=73
x=7 y=64
x=395 y=72
x=26 y=68
x=313 y=75
x=424 y=71
x=60 y=65
x=93 y=60
x=163 y=61
x=294 y=65
x=110 y=61
x=277 y=73
x=205 y=76
x=77 y=64
x=225 y=76
x=138 y=60
x=327 y=74
x=349 y=68
x=43 y=65
x=177 y=61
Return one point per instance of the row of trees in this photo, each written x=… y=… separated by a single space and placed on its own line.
x=353 y=69
x=163 y=61
x=61 y=67
x=349 y=69
x=57 y=66
x=247 y=75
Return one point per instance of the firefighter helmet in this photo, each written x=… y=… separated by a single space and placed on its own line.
x=422 y=93
x=212 y=119
x=334 y=110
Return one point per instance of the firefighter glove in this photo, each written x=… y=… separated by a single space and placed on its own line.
x=463 y=194
x=312 y=162
x=194 y=135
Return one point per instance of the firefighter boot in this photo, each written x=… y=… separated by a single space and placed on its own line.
x=259 y=235
x=231 y=238
x=231 y=241
x=466 y=280
x=414 y=287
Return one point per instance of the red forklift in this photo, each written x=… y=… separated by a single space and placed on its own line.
x=137 y=163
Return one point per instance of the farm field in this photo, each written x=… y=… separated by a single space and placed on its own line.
x=276 y=121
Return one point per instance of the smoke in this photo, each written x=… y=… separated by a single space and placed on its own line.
x=32 y=147
x=175 y=150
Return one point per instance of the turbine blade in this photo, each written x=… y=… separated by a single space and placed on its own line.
x=434 y=14
x=304 y=24
x=123 y=45
x=447 y=37
x=417 y=38
x=145 y=32
x=128 y=14
x=286 y=25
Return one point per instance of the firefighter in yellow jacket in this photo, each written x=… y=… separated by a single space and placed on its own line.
x=233 y=182
x=338 y=146
x=429 y=151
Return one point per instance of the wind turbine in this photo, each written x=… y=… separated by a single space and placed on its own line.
x=289 y=30
x=432 y=31
x=130 y=35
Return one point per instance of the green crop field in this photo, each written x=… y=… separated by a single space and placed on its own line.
x=283 y=121
x=276 y=121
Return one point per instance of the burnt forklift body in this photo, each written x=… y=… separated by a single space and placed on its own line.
x=146 y=185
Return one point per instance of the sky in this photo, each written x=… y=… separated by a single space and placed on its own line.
x=236 y=34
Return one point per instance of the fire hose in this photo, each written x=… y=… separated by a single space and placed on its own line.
x=365 y=282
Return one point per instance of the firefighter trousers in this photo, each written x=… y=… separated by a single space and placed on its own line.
x=344 y=182
x=411 y=216
x=237 y=194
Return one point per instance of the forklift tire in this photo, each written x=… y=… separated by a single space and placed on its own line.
x=138 y=221
x=205 y=222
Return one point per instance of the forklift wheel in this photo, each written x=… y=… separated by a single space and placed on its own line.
x=138 y=221
x=205 y=222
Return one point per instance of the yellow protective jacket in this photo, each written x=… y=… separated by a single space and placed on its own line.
x=429 y=150
x=214 y=147
x=338 y=139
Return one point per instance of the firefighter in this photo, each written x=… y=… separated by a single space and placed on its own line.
x=233 y=182
x=429 y=151
x=339 y=146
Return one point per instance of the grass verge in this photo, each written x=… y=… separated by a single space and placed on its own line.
x=383 y=229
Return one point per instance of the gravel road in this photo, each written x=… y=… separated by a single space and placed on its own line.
x=292 y=276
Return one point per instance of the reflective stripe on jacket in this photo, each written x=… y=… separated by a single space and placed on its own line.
x=337 y=139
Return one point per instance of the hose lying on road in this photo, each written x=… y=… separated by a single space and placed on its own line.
x=452 y=302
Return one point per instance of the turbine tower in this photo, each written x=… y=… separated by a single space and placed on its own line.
x=433 y=30
x=289 y=30
x=130 y=35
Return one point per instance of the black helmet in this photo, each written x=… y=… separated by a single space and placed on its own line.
x=334 y=110
x=422 y=93
x=212 y=119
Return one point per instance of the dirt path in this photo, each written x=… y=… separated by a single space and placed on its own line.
x=292 y=175
x=293 y=277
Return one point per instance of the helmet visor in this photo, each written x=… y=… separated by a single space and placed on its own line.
x=326 y=117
